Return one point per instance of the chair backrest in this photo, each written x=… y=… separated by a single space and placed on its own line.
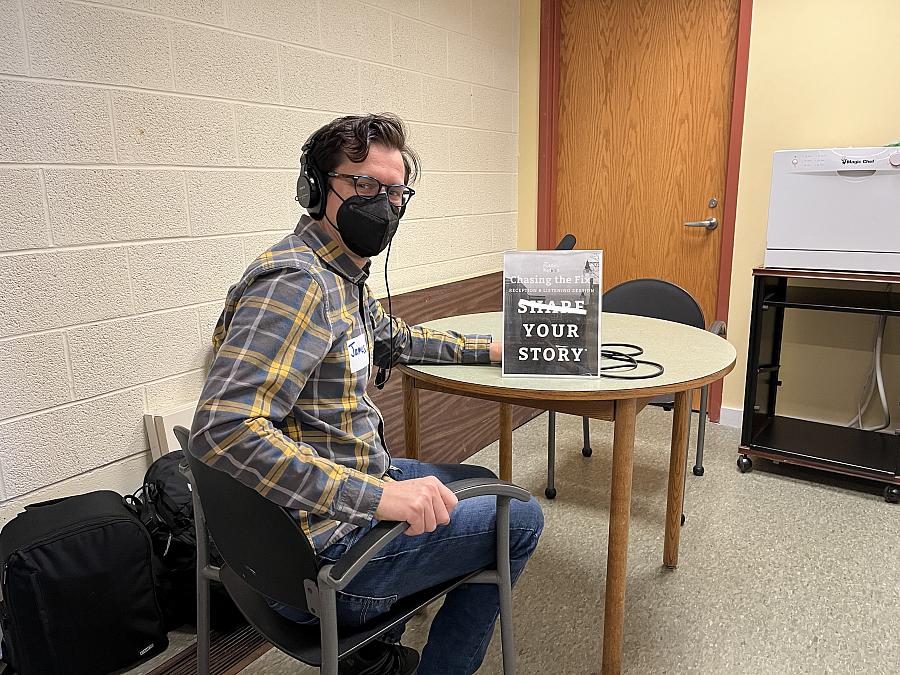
x=656 y=299
x=259 y=540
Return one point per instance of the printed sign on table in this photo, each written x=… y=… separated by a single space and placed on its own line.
x=551 y=313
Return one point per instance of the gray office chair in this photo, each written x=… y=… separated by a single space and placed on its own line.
x=657 y=299
x=267 y=556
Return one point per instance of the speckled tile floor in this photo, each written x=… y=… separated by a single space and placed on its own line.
x=777 y=574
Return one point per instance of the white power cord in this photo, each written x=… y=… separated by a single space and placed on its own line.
x=878 y=381
x=868 y=392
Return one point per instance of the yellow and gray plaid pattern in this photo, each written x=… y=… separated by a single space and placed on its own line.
x=282 y=409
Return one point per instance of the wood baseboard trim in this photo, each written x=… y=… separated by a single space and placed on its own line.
x=229 y=654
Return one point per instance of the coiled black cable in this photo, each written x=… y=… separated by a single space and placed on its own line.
x=627 y=361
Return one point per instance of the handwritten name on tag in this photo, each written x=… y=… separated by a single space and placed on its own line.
x=359 y=353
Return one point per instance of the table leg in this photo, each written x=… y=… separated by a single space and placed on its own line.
x=681 y=427
x=506 y=442
x=411 y=416
x=619 y=517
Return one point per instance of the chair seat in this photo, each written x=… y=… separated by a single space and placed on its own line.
x=667 y=400
x=302 y=641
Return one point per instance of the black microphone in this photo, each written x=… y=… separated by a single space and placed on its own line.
x=567 y=243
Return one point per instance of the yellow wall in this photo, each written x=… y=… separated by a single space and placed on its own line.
x=822 y=73
x=529 y=71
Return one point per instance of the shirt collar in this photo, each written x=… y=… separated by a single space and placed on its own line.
x=329 y=250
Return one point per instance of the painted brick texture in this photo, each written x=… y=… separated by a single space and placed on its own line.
x=149 y=151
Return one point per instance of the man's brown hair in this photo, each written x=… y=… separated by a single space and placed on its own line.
x=352 y=135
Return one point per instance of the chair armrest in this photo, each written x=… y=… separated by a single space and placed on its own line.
x=718 y=328
x=340 y=574
x=479 y=487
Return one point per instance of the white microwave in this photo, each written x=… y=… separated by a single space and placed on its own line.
x=835 y=209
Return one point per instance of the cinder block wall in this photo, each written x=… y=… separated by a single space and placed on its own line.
x=148 y=152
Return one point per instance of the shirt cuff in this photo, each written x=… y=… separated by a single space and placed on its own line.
x=476 y=349
x=357 y=498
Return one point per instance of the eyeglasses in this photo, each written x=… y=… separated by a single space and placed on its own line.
x=368 y=187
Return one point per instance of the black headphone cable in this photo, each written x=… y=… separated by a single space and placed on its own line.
x=381 y=378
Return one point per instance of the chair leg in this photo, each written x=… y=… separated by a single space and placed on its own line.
x=203 y=633
x=687 y=444
x=504 y=588
x=586 y=450
x=701 y=430
x=550 y=491
x=203 y=637
x=328 y=630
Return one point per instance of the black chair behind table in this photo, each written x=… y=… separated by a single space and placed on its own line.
x=657 y=299
x=267 y=555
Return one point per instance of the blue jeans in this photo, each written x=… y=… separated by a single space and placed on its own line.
x=462 y=629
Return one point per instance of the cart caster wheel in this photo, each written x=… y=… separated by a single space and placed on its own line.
x=891 y=494
x=698 y=470
x=744 y=464
x=587 y=452
x=550 y=493
x=682 y=519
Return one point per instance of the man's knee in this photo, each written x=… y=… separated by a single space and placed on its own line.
x=526 y=522
x=476 y=471
x=463 y=471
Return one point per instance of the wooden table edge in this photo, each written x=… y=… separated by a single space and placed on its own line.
x=486 y=391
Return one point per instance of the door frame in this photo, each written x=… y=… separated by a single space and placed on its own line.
x=548 y=133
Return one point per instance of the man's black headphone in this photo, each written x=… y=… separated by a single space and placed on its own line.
x=312 y=183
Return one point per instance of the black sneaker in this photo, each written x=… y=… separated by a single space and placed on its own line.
x=380 y=658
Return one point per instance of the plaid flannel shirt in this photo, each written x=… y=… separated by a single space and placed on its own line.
x=284 y=408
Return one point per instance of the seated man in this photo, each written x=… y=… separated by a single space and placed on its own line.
x=285 y=411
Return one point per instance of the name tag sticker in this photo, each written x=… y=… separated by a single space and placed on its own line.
x=359 y=353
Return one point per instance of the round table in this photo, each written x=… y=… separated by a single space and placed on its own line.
x=691 y=357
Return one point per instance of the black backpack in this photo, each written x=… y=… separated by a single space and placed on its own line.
x=165 y=507
x=78 y=593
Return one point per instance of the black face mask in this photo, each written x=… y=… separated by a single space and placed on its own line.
x=367 y=225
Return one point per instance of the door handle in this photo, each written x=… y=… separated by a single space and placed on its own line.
x=709 y=223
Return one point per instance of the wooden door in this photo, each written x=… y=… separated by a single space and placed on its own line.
x=645 y=97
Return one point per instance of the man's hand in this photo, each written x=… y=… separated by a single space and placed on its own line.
x=496 y=352
x=424 y=503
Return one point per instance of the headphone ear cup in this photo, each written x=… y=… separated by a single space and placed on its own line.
x=318 y=194
x=309 y=192
x=304 y=191
x=311 y=183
